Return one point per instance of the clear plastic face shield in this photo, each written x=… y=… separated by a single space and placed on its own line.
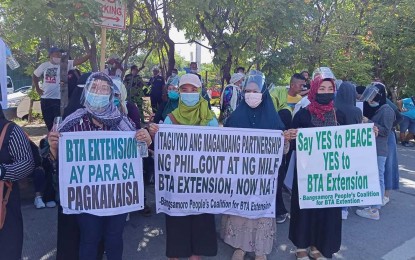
x=324 y=72
x=370 y=93
x=98 y=86
x=254 y=81
x=173 y=82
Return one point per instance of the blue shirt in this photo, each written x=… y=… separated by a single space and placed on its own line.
x=408 y=104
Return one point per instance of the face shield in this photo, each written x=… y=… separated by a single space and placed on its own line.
x=324 y=72
x=98 y=91
x=255 y=79
x=173 y=81
x=369 y=94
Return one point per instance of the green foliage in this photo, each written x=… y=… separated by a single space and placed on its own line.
x=358 y=39
x=33 y=95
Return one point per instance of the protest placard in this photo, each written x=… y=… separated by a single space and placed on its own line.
x=217 y=170
x=337 y=167
x=100 y=173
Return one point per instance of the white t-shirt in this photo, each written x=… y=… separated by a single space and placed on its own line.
x=51 y=78
x=118 y=73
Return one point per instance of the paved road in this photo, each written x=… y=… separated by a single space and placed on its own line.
x=391 y=238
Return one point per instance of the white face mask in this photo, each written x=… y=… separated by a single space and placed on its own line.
x=253 y=99
x=56 y=60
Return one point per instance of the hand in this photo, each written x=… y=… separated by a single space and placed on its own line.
x=292 y=133
x=53 y=140
x=287 y=135
x=365 y=120
x=39 y=91
x=143 y=135
x=153 y=129
x=404 y=109
x=376 y=130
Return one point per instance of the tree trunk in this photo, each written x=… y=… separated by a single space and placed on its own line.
x=129 y=32
x=170 y=55
x=226 y=69
x=93 y=50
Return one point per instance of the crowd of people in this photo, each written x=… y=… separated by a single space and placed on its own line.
x=104 y=101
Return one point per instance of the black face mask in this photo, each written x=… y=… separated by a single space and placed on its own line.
x=324 y=99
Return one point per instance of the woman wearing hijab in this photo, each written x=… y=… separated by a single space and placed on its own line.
x=231 y=95
x=172 y=102
x=194 y=235
x=347 y=113
x=16 y=162
x=315 y=232
x=255 y=111
x=99 y=114
x=279 y=98
x=345 y=103
x=376 y=110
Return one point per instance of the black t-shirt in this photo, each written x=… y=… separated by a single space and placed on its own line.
x=286 y=117
x=157 y=84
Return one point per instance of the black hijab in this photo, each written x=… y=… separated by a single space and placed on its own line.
x=345 y=103
x=263 y=116
x=369 y=111
x=75 y=99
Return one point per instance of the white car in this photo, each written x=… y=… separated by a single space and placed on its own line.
x=14 y=99
x=10 y=86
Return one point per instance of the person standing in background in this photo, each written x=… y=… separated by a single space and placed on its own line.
x=156 y=93
x=297 y=83
x=50 y=93
x=114 y=69
x=135 y=93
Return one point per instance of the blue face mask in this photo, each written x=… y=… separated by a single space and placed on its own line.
x=117 y=102
x=173 y=94
x=374 y=104
x=190 y=99
x=97 y=101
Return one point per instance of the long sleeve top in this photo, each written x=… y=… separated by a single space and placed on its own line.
x=22 y=163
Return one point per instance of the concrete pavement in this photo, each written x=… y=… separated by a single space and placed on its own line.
x=390 y=238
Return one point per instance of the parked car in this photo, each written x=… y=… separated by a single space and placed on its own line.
x=20 y=101
x=10 y=86
x=14 y=99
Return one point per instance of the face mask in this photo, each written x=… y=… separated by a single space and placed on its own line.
x=374 y=104
x=173 y=94
x=324 y=99
x=189 y=99
x=117 y=102
x=174 y=74
x=253 y=99
x=56 y=60
x=97 y=101
x=110 y=66
x=193 y=71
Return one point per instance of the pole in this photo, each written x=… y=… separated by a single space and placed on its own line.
x=103 y=48
x=64 y=82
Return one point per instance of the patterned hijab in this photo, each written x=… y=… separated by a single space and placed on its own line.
x=316 y=109
x=109 y=116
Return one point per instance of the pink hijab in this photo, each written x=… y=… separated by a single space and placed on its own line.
x=315 y=108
